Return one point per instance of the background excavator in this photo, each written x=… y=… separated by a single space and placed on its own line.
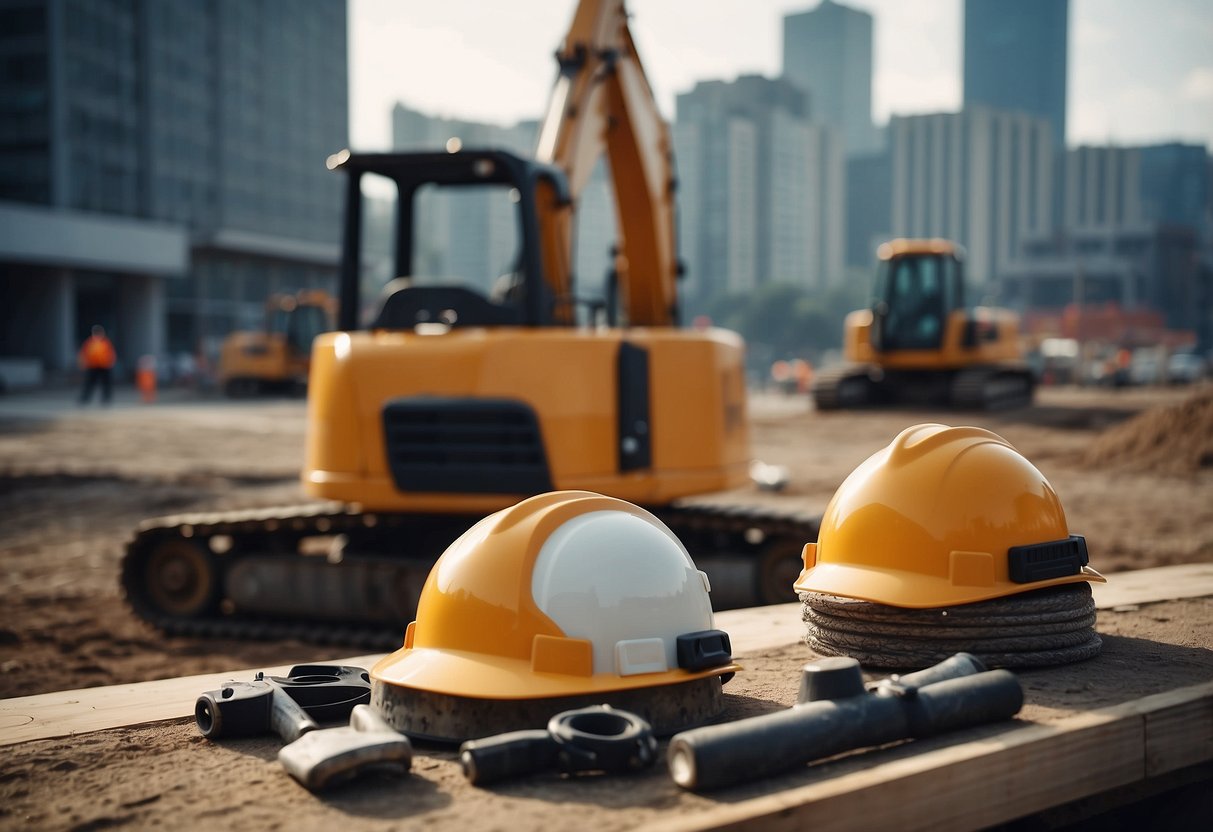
x=448 y=399
x=277 y=357
x=920 y=344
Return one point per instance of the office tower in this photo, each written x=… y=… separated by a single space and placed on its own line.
x=164 y=167
x=869 y=198
x=827 y=52
x=761 y=195
x=1176 y=187
x=1015 y=58
x=981 y=177
x=1101 y=187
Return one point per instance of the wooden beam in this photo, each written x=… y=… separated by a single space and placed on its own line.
x=97 y=709
x=753 y=631
x=1153 y=586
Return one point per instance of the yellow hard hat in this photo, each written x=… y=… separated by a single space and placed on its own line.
x=565 y=593
x=943 y=516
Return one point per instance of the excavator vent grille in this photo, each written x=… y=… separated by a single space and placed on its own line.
x=470 y=446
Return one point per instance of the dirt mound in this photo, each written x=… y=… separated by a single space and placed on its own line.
x=1166 y=440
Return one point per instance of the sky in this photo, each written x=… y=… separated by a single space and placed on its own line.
x=1140 y=71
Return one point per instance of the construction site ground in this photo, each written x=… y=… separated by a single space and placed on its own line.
x=1134 y=469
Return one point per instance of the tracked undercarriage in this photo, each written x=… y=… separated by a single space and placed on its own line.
x=988 y=387
x=330 y=574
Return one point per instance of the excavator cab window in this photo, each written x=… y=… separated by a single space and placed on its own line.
x=305 y=323
x=915 y=294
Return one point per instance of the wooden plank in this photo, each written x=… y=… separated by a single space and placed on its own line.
x=755 y=630
x=1152 y=586
x=96 y=709
x=978 y=783
x=761 y=629
x=1178 y=736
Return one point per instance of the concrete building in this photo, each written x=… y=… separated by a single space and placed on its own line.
x=1015 y=58
x=869 y=203
x=1101 y=186
x=763 y=188
x=827 y=52
x=163 y=168
x=1134 y=266
x=1177 y=186
x=981 y=177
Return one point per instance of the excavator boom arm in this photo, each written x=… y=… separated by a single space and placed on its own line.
x=602 y=105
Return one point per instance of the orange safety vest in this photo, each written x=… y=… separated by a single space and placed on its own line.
x=97 y=353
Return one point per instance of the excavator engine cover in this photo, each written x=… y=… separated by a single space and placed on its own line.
x=563 y=600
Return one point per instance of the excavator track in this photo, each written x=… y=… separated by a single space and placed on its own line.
x=844 y=388
x=992 y=388
x=329 y=574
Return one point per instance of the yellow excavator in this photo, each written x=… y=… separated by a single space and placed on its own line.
x=920 y=344
x=446 y=399
x=277 y=357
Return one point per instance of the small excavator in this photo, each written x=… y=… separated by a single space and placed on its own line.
x=444 y=400
x=275 y=358
x=919 y=344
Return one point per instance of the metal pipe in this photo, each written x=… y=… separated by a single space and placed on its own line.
x=955 y=695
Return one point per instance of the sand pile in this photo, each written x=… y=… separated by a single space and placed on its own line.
x=1164 y=440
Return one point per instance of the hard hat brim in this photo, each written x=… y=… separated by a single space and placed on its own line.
x=894 y=588
x=481 y=676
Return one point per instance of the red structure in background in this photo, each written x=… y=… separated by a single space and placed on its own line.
x=1106 y=323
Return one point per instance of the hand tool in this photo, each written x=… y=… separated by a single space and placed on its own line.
x=286 y=705
x=594 y=739
x=837 y=713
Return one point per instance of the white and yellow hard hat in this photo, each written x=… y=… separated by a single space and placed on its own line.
x=563 y=594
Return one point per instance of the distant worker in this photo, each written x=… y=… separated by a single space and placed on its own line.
x=97 y=359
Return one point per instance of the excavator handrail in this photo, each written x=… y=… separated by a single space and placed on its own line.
x=542 y=189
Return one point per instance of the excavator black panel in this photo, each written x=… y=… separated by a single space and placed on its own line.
x=465 y=445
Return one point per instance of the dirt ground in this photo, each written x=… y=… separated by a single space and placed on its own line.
x=74 y=483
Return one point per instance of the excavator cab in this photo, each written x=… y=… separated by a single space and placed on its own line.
x=919 y=343
x=916 y=293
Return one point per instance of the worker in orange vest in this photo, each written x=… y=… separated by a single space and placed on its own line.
x=97 y=358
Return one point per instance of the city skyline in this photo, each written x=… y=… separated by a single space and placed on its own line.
x=494 y=63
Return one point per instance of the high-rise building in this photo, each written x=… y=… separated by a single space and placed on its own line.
x=1015 y=58
x=163 y=167
x=1101 y=187
x=981 y=177
x=1144 y=265
x=1176 y=187
x=869 y=200
x=827 y=52
x=762 y=187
